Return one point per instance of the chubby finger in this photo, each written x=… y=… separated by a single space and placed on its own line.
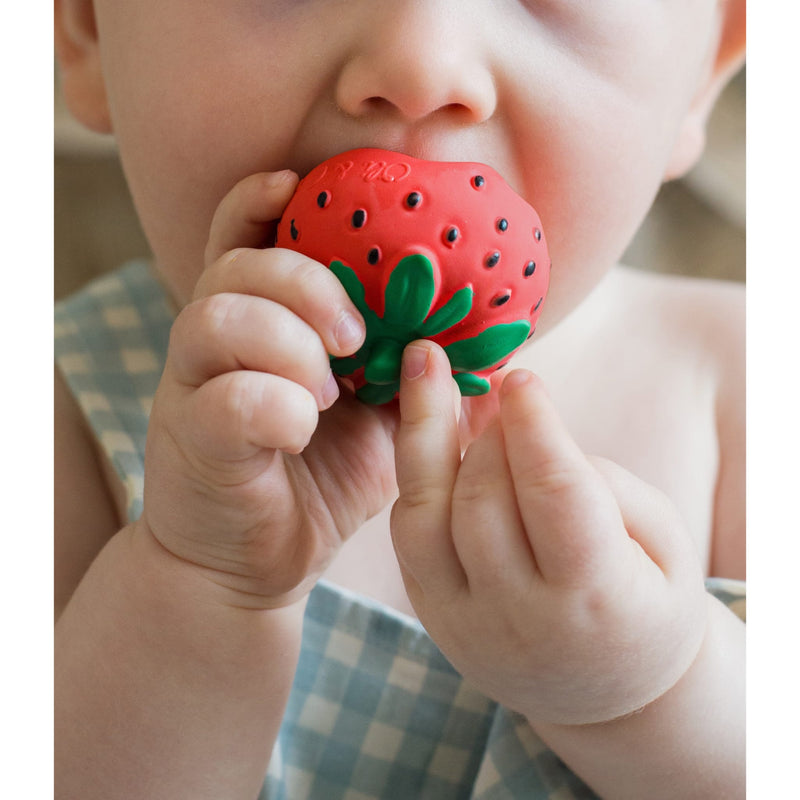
x=427 y=457
x=651 y=519
x=246 y=215
x=570 y=515
x=234 y=415
x=301 y=284
x=230 y=332
x=487 y=527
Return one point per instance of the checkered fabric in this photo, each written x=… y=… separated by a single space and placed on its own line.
x=376 y=711
x=110 y=345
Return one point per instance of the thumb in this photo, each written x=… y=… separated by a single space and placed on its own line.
x=246 y=216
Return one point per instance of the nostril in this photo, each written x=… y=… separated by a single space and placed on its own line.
x=457 y=109
x=378 y=104
x=386 y=81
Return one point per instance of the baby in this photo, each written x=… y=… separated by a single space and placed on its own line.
x=306 y=596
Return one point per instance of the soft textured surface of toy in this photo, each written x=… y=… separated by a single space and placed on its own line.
x=426 y=250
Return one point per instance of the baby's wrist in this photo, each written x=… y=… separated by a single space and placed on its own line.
x=698 y=722
x=209 y=585
x=137 y=604
x=168 y=578
x=702 y=671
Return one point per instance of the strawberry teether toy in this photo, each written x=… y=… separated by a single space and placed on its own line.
x=426 y=250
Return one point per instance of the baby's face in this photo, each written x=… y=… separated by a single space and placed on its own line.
x=578 y=103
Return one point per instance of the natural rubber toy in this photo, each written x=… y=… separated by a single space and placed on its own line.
x=425 y=250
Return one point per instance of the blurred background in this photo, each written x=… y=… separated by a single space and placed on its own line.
x=696 y=226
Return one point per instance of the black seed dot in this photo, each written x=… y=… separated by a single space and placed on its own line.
x=493 y=259
x=451 y=235
x=478 y=181
x=533 y=330
x=374 y=255
x=502 y=225
x=293 y=231
x=500 y=366
x=359 y=218
x=413 y=200
x=323 y=198
x=500 y=299
x=538 y=303
x=537 y=234
x=530 y=268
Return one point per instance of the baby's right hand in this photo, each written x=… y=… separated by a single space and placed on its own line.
x=244 y=479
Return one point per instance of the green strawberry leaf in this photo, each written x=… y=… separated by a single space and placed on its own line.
x=355 y=291
x=353 y=286
x=383 y=365
x=377 y=395
x=348 y=365
x=487 y=348
x=451 y=313
x=471 y=385
x=409 y=292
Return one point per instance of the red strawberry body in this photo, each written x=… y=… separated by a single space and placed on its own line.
x=439 y=250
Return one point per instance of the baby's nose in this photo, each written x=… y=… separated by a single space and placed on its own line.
x=416 y=58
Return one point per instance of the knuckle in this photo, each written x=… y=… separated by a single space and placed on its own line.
x=304 y=273
x=419 y=419
x=553 y=478
x=297 y=420
x=236 y=403
x=297 y=352
x=318 y=286
x=219 y=264
x=473 y=488
x=211 y=315
x=227 y=260
x=219 y=418
x=417 y=495
x=413 y=497
x=295 y=336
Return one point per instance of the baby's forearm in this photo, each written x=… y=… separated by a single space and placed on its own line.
x=690 y=743
x=161 y=690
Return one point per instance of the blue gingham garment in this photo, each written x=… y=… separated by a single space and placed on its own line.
x=376 y=711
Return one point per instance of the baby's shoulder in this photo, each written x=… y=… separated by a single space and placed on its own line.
x=706 y=316
x=702 y=323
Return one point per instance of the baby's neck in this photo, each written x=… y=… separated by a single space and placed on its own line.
x=551 y=351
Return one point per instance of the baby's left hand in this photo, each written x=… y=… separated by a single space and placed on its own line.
x=561 y=586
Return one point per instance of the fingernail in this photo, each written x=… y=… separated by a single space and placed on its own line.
x=349 y=332
x=515 y=379
x=277 y=178
x=330 y=391
x=415 y=361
